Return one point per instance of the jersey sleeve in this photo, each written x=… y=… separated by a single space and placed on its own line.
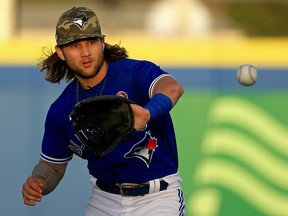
x=55 y=144
x=148 y=74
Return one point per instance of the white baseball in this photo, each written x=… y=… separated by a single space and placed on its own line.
x=247 y=75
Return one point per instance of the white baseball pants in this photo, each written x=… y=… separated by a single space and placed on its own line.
x=169 y=202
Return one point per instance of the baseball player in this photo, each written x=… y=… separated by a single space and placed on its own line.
x=140 y=177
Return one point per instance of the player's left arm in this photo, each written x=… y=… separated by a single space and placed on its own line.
x=165 y=94
x=169 y=87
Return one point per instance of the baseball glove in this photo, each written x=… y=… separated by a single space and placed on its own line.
x=102 y=122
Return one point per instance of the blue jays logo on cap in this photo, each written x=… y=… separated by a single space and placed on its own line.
x=79 y=21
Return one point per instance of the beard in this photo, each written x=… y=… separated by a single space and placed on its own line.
x=81 y=73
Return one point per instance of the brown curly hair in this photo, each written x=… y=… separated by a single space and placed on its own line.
x=55 y=69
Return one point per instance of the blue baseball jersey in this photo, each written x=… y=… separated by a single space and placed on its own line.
x=148 y=154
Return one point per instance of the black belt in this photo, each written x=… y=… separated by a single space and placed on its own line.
x=129 y=189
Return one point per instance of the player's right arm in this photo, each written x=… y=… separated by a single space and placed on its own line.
x=32 y=190
x=45 y=177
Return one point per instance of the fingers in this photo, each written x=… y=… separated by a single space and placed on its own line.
x=32 y=191
x=141 y=117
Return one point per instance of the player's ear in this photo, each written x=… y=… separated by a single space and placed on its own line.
x=103 y=43
x=59 y=52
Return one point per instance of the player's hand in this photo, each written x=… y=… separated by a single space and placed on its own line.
x=141 y=116
x=32 y=190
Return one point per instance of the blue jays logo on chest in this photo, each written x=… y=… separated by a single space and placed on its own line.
x=144 y=153
x=76 y=148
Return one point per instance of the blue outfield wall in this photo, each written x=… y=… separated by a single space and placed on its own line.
x=25 y=99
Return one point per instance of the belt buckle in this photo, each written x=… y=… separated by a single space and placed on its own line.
x=122 y=193
x=128 y=186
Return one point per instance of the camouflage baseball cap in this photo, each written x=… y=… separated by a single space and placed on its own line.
x=77 y=23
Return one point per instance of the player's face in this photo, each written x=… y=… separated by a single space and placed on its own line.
x=84 y=57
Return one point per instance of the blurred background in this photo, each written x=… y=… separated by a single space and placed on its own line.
x=232 y=140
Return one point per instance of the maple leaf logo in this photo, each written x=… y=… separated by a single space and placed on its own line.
x=144 y=152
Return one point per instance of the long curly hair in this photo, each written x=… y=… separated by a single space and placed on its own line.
x=55 y=69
